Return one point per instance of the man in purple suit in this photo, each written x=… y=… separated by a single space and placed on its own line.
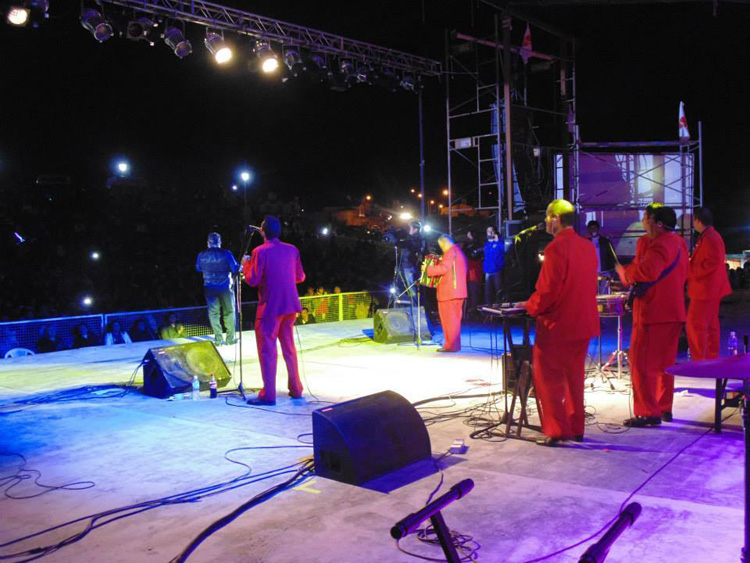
x=275 y=269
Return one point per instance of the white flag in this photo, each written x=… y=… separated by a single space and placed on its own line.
x=682 y=124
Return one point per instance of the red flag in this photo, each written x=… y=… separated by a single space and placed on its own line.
x=683 y=125
x=526 y=48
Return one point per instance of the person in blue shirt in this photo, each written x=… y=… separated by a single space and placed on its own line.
x=217 y=267
x=494 y=259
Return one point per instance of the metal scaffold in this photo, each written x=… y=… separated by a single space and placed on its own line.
x=510 y=109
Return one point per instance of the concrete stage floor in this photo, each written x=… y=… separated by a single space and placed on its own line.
x=528 y=501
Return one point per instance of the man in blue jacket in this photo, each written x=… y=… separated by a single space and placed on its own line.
x=217 y=267
x=494 y=258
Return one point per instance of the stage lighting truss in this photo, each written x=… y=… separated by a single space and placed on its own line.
x=217 y=47
x=93 y=21
x=142 y=29
x=269 y=61
x=29 y=12
x=175 y=39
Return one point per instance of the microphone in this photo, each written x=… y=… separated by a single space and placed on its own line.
x=535 y=228
x=598 y=552
x=252 y=228
x=407 y=525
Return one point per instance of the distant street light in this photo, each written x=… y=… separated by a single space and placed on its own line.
x=95 y=255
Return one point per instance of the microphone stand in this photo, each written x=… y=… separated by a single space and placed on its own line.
x=238 y=298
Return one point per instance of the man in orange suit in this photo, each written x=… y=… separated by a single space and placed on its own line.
x=275 y=269
x=707 y=284
x=658 y=315
x=451 y=291
x=564 y=305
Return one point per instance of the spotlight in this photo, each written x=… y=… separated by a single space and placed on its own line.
x=95 y=255
x=245 y=176
x=175 y=40
x=405 y=216
x=294 y=62
x=368 y=197
x=234 y=187
x=387 y=79
x=393 y=290
x=427 y=229
x=18 y=16
x=362 y=73
x=123 y=167
x=324 y=231
x=21 y=13
x=141 y=29
x=93 y=21
x=269 y=62
x=87 y=301
x=218 y=48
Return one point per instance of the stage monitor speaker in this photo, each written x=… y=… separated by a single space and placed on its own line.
x=170 y=369
x=396 y=325
x=359 y=440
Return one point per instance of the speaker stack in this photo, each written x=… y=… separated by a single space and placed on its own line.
x=397 y=325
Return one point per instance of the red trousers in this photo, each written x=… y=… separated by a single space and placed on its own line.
x=559 y=372
x=267 y=331
x=450 y=312
x=703 y=328
x=653 y=348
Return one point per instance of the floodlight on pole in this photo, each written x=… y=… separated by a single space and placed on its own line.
x=245 y=176
x=175 y=40
x=218 y=48
x=93 y=21
x=123 y=167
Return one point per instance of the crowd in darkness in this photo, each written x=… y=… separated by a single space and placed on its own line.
x=147 y=238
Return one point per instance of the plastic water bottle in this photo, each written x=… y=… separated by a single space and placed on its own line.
x=196 y=388
x=732 y=345
x=213 y=386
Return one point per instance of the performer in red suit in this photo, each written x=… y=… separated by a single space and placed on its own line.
x=658 y=315
x=564 y=305
x=707 y=284
x=451 y=291
x=275 y=268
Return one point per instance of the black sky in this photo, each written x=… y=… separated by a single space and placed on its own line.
x=71 y=104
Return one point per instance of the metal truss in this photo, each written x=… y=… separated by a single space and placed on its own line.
x=219 y=17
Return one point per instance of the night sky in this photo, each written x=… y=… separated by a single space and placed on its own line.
x=71 y=104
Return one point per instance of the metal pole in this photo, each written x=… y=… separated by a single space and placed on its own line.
x=700 y=162
x=507 y=102
x=421 y=157
x=498 y=137
x=448 y=129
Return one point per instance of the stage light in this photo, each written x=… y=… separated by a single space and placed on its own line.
x=393 y=290
x=93 y=21
x=440 y=206
x=432 y=202
x=412 y=190
x=387 y=79
x=234 y=187
x=294 y=62
x=141 y=29
x=408 y=83
x=25 y=12
x=324 y=231
x=245 y=176
x=419 y=196
x=217 y=47
x=95 y=255
x=406 y=216
x=319 y=60
x=18 y=16
x=269 y=62
x=363 y=73
x=427 y=229
x=175 y=40
x=87 y=301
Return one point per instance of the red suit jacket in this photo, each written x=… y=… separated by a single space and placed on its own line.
x=565 y=298
x=275 y=268
x=453 y=269
x=707 y=278
x=665 y=301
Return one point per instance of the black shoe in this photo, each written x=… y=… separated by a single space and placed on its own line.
x=666 y=416
x=578 y=438
x=261 y=402
x=642 y=421
x=547 y=441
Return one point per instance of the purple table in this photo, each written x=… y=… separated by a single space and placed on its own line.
x=723 y=369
